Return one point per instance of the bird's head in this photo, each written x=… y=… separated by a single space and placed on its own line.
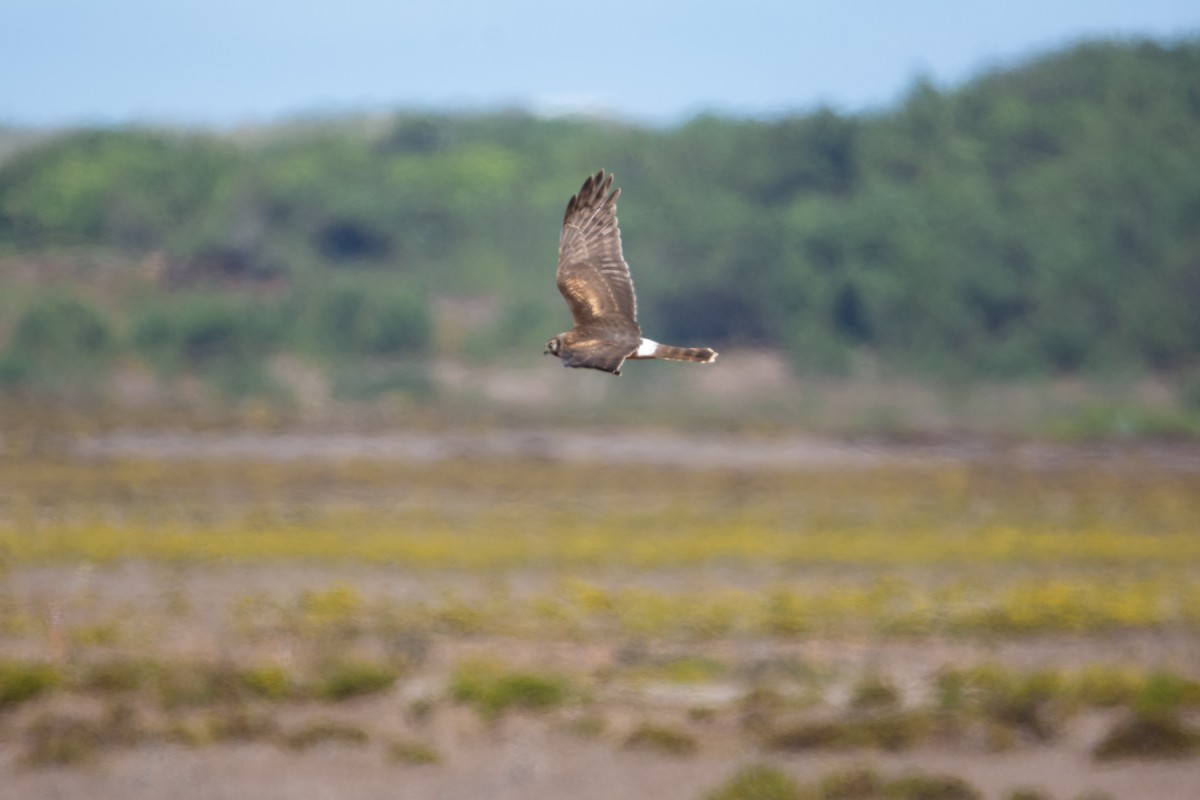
x=552 y=347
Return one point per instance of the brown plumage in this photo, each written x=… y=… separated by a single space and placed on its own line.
x=594 y=279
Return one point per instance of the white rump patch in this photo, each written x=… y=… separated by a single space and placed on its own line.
x=647 y=348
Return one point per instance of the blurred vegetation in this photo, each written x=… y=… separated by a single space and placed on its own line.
x=976 y=607
x=493 y=688
x=1038 y=220
x=895 y=551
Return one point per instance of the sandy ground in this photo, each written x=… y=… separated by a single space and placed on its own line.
x=538 y=757
x=531 y=759
x=541 y=756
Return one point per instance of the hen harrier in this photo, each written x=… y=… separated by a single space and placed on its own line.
x=595 y=280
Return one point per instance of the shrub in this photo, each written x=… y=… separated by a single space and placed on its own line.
x=1105 y=687
x=1028 y=704
x=853 y=783
x=238 y=723
x=874 y=693
x=355 y=318
x=493 y=689
x=757 y=782
x=1032 y=704
x=345 y=678
x=809 y=735
x=21 y=681
x=420 y=710
x=931 y=787
x=58 y=341
x=62 y=739
x=119 y=675
x=890 y=731
x=1164 y=693
x=269 y=681
x=1160 y=735
x=193 y=684
x=335 y=612
x=1027 y=794
x=685 y=669
x=662 y=739
x=224 y=339
x=323 y=731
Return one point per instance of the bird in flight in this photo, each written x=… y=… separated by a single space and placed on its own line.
x=595 y=280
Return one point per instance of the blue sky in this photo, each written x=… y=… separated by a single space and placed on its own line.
x=231 y=62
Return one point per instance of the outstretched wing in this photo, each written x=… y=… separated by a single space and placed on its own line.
x=592 y=273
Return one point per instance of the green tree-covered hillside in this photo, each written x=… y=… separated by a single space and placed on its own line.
x=1040 y=219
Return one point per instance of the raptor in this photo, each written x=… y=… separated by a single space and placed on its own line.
x=595 y=280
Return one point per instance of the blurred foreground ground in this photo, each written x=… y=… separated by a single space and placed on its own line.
x=536 y=613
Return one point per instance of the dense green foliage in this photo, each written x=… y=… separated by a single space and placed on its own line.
x=1041 y=219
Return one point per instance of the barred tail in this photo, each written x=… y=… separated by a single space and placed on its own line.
x=701 y=355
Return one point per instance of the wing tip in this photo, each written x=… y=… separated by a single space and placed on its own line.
x=593 y=192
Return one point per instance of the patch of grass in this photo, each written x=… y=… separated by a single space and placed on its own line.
x=874 y=693
x=759 y=707
x=58 y=738
x=1101 y=686
x=1165 y=692
x=493 y=689
x=24 y=680
x=682 y=669
x=1031 y=704
x=342 y=679
x=420 y=710
x=119 y=675
x=757 y=782
x=234 y=722
x=268 y=681
x=192 y=684
x=851 y=783
x=809 y=735
x=1027 y=794
x=62 y=739
x=919 y=786
x=239 y=723
x=323 y=731
x=411 y=751
x=99 y=634
x=1161 y=735
x=662 y=739
x=890 y=730
x=335 y=611
x=1104 y=420
x=1011 y=705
